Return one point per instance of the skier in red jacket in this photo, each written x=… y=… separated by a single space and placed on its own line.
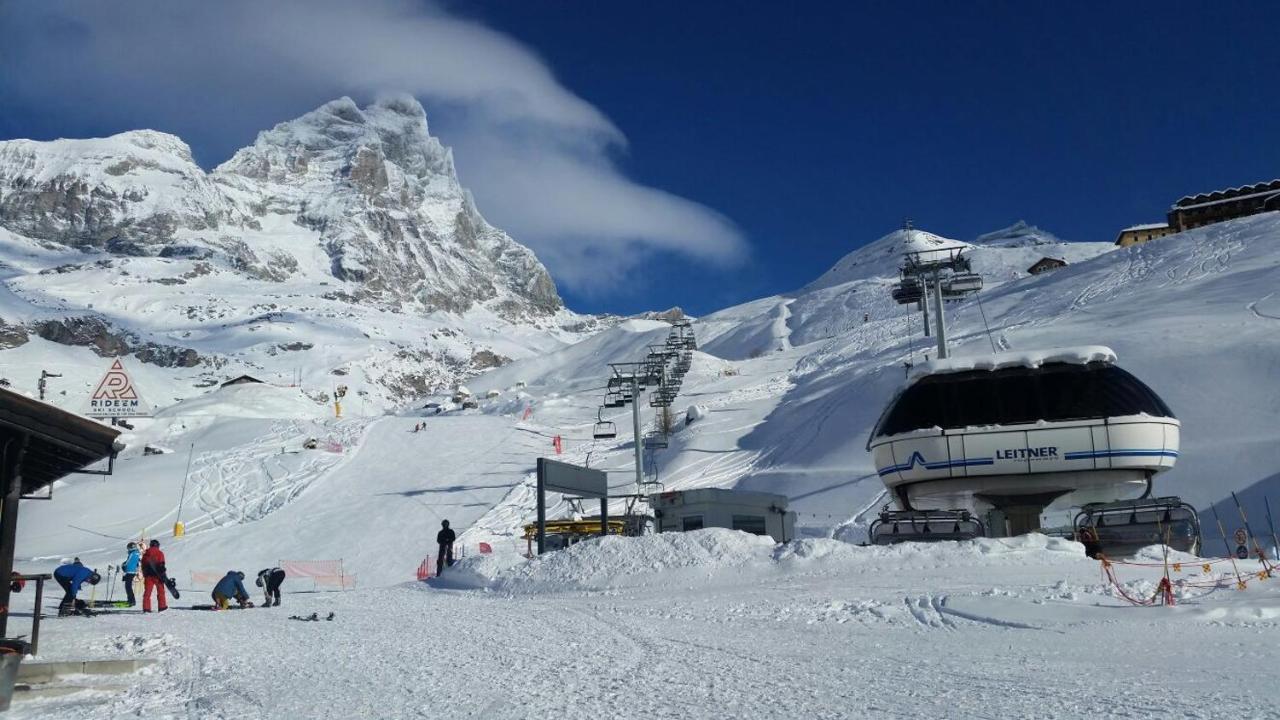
x=153 y=575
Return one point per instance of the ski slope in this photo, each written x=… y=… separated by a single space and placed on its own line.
x=781 y=397
x=707 y=624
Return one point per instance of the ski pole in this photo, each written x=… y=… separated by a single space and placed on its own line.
x=1230 y=555
x=1275 y=542
x=110 y=582
x=1256 y=545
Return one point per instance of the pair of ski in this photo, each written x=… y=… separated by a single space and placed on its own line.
x=313 y=617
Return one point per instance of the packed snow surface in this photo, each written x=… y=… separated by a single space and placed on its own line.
x=709 y=624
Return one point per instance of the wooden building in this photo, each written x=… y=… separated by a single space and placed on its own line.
x=1143 y=233
x=1195 y=211
x=1046 y=264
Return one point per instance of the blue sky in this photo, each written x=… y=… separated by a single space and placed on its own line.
x=742 y=148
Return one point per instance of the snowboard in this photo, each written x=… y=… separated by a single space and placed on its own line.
x=173 y=587
x=208 y=606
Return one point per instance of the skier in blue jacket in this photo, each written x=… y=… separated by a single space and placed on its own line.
x=71 y=577
x=230 y=587
x=129 y=571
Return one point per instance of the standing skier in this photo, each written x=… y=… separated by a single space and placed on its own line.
x=153 y=577
x=71 y=577
x=270 y=581
x=129 y=571
x=445 y=539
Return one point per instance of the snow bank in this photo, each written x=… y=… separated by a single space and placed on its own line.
x=1023 y=358
x=1015 y=550
x=613 y=562
x=252 y=400
x=699 y=557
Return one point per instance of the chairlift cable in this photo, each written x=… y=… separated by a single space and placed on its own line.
x=978 y=295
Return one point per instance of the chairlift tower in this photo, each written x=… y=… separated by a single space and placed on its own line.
x=935 y=276
x=663 y=369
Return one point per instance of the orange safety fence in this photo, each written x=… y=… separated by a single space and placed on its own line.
x=327 y=573
x=1164 y=590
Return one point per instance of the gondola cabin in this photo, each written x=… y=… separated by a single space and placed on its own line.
x=1022 y=441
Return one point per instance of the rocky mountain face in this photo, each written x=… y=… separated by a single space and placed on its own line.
x=339 y=248
x=377 y=192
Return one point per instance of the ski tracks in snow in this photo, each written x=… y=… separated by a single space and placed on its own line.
x=252 y=481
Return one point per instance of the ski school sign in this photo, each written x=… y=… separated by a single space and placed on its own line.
x=116 y=396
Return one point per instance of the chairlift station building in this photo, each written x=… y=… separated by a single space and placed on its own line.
x=1023 y=441
x=754 y=512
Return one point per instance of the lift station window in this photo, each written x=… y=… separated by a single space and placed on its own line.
x=691 y=522
x=1011 y=396
x=753 y=524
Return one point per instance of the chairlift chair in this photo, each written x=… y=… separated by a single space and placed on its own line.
x=907 y=291
x=655 y=441
x=897 y=526
x=961 y=284
x=614 y=400
x=604 y=429
x=1123 y=528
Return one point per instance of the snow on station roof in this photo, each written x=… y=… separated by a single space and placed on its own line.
x=1236 y=193
x=1081 y=355
x=1146 y=226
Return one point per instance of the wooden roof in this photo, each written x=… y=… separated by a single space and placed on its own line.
x=59 y=442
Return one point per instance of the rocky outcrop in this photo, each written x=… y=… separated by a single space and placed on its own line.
x=12 y=336
x=106 y=341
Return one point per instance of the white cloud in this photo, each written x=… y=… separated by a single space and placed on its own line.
x=535 y=154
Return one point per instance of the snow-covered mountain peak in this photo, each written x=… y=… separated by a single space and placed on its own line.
x=1019 y=234
x=350 y=142
x=883 y=257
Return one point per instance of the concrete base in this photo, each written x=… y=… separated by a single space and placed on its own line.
x=33 y=673
x=42 y=692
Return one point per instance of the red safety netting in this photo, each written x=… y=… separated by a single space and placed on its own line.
x=206 y=578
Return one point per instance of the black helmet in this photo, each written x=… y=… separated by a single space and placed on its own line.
x=444 y=523
x=132 y=546
x=95 y=578
x=155 y=543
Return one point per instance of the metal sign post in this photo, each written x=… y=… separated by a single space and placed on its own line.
x=560 y=477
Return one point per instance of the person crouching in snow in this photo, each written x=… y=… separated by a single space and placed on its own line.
x=230 y=587
x=153 y=576
x=71 y=577
x=270 y=581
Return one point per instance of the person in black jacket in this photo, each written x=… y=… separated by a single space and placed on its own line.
x=270 y=581
x=445 y=539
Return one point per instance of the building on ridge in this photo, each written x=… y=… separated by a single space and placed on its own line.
x=1203 y=209
x=1137 y=234
x=1045 y=264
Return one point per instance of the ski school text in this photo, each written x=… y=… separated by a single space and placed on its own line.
x=114 y=404
x=1027 y=453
